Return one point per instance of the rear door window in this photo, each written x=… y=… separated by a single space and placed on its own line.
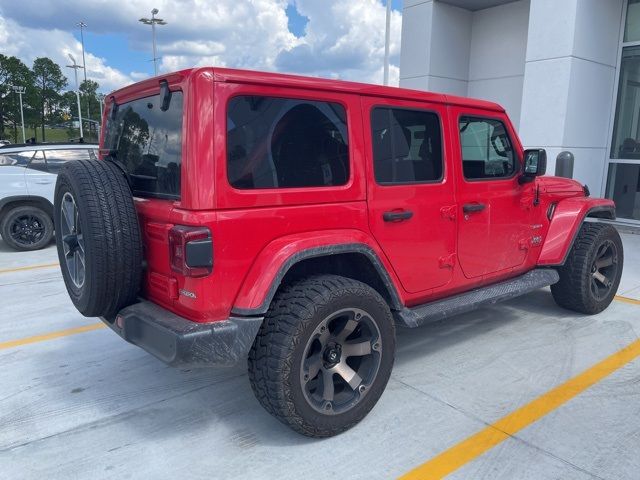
x=57 y=158
x=16 y=159
x=147 y=141
x=407 y=146
x=286 y=143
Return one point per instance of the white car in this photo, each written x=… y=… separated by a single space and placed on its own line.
x=27 y=183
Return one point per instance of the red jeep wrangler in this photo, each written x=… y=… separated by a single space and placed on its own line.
x=294 y=221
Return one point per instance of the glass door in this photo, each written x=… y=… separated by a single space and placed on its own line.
x=623 y=179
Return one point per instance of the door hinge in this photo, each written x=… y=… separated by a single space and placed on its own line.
x=448 y=261
x=523 y=244
x=448 y=212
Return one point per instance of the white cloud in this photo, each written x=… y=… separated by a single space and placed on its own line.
x=29 y=44
x=343 y=38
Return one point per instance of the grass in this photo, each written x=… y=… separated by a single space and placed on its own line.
x=53 y=135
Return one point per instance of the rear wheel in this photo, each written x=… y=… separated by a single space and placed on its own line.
x=590 y=277
x=323 y=355
x=26 y=228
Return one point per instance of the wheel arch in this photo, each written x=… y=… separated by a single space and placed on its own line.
x=356 y=260
x=568 y=217
x=8 y=203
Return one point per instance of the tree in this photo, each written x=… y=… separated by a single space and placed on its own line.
x=89 y=102
x=89 y=98
x=12 y=72
x=49 y=80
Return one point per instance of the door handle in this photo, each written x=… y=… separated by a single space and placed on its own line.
x=397 y=216
x=473 y=207
x=43 y=182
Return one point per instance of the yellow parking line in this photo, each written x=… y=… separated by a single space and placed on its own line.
x=632 y=301
x=51 y=336
x=29 y=267
x=469 y=449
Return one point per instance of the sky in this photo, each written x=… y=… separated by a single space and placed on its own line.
x=328 y=38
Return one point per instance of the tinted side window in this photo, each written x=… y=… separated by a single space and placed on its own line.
x=407 y=146
x=18 y=159
x=284 y=143
x=57 y=158
x=486 y=149
x=38 y=162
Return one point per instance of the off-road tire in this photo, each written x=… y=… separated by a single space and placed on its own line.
x=43 y=220
x=275 y=359
x=573 y=291
x=108 y=222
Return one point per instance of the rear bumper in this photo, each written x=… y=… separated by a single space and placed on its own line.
x=181 y=342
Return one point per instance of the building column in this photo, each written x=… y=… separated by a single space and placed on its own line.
x=569 y=82
x=436 y=41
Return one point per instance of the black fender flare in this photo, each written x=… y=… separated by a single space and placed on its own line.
x=325 y=251
x=7 y=202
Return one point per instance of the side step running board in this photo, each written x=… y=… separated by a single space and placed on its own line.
x=465 y=302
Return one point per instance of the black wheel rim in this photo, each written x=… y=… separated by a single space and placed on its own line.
x=341 y=361
x=604 y=270
x=27 y=230
x=72 y=240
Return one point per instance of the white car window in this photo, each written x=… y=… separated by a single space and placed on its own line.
x=16 y=159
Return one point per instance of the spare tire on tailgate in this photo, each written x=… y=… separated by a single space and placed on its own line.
x=98 y=237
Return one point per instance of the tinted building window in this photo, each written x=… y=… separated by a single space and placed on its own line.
x=285 y=143
x=486 y=149
x=626 y=130
x=407 y=146
x=147 y=141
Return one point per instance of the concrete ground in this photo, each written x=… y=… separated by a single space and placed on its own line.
x=90 y=405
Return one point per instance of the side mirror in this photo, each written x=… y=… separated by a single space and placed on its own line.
x=535 y=164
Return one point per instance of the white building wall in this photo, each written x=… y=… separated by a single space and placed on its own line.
x=497 y=57
x=436 y=38
x=569 y=83
x=478 y=54
x=550 y=63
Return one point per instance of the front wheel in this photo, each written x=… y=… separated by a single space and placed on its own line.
x=27 y=228
x=590 y=277
x=323 y=355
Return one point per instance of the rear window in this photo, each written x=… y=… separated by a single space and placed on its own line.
x=147 y=141
x=286 y=143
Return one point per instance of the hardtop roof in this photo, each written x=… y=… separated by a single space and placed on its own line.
x=310 y=83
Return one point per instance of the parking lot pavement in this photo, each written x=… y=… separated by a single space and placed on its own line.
x=88 y=405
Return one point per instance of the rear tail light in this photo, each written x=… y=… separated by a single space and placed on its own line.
x=191 y=251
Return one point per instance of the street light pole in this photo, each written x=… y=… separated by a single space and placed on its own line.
x=387 y=39
x=82 y=26
x=153 y=21
x=75 y=67
x=20 y=91
x=100 y=101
